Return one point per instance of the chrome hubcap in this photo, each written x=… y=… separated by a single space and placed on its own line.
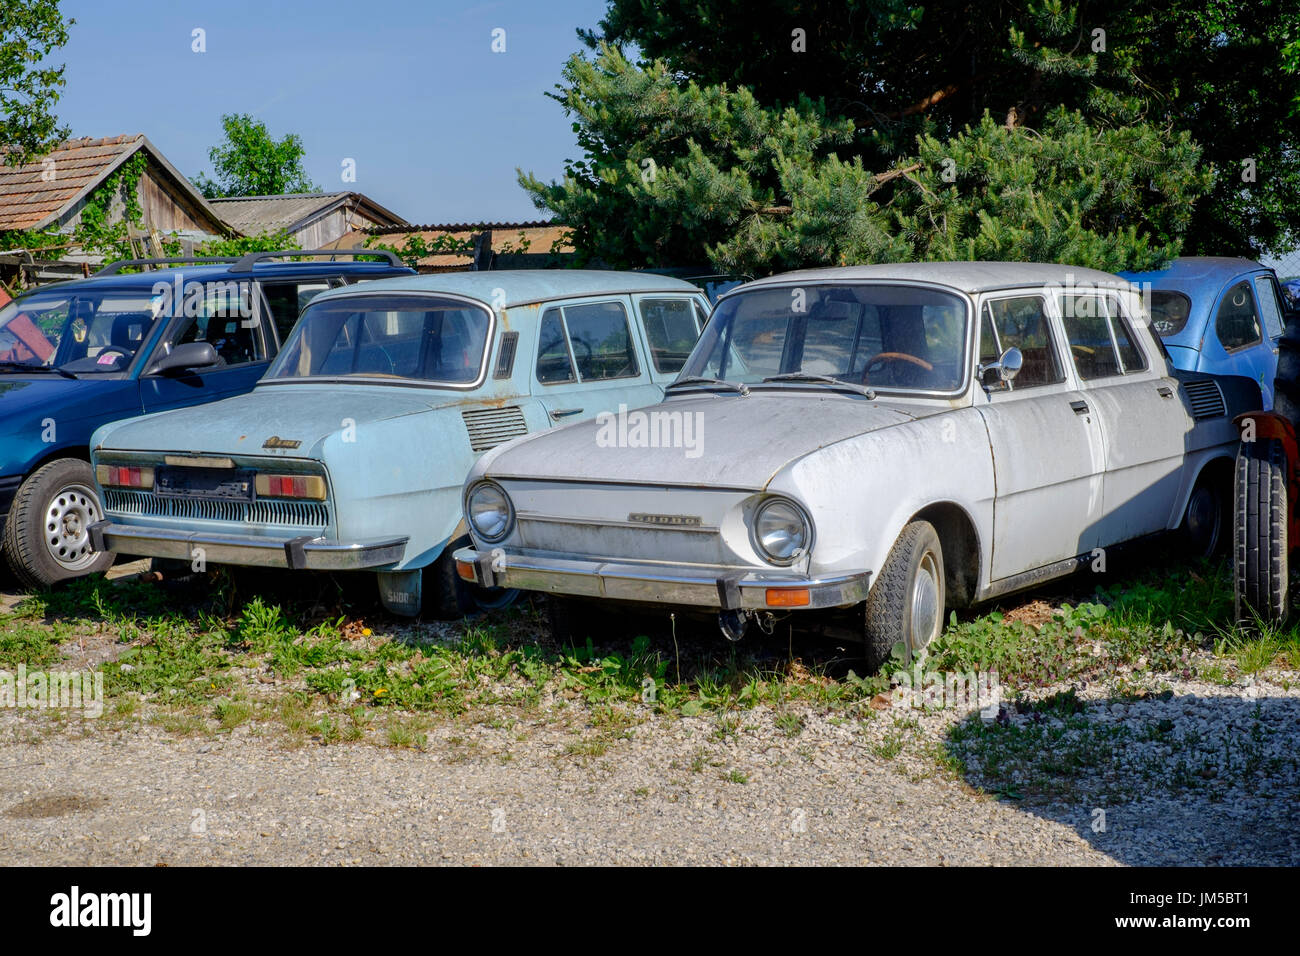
x=926 y=612
x=68 y=516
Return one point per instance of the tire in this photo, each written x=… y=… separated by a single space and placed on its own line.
x=45 y=537
x=906 y=605
x=1260 y=570
x=1207 y=520
x=446 y=596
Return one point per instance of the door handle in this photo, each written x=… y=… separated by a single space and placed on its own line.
x=559 y=413
x=1164 y=391
x=1080 y=408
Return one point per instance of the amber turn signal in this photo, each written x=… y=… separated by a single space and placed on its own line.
x=465 y=570
x=788 y=597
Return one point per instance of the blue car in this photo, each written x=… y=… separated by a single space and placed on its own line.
x=1221 y=316
x=350 y=453
x=75 y=355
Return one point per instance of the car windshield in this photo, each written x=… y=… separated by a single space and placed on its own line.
x=78 y=332
x=428 y=338
x=882 y=336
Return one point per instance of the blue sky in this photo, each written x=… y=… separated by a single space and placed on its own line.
x=436 y=122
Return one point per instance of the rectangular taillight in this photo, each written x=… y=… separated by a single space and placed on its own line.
x=290 y=486
x=124 y=476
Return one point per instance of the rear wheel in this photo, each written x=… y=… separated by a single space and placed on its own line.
x=1208 y=517
x=46 y=535
x=1260 y=567
x=907 y=601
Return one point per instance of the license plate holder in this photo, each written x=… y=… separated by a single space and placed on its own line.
x=216 y=484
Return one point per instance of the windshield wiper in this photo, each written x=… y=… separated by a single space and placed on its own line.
x=24 y=367
x=740 y=387
x=822 y=380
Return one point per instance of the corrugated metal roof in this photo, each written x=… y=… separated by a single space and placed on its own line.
x=292 y=211
x=35 y=194
x=465 y=227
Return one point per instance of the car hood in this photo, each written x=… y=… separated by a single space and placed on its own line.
x=728 y=441
x=300 y=416
x=23 y=397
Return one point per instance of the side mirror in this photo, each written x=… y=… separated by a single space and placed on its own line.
x=1007 y=367
x=185 y=356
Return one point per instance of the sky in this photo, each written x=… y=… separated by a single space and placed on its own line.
x=436 y=122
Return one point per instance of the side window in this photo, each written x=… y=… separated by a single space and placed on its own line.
x=671 y=327
x=1237 y=324
x=223 y=321
x=601 y=341
x=287 y=299
x=1087 y=326
x=1021 y=322
x=1270 y=303
x=1129 y=352
x=553 y=362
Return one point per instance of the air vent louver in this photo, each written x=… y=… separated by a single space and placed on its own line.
x=489 y=427
x=1207 y=399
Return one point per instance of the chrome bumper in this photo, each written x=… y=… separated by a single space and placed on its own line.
x=717 y=589
x=303 y=553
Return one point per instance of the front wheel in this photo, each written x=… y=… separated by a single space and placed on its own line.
x=46 y=536
x=906 y=604
x=1259 y=559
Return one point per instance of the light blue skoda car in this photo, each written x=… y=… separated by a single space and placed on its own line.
x=351 y=452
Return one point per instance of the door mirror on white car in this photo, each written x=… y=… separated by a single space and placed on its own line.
x=1007 y=367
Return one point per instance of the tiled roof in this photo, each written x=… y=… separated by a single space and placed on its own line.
x=29 y=201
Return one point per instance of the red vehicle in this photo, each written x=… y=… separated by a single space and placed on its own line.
x=1266 y=516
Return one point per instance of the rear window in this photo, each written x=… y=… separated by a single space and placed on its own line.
x=1169 y=312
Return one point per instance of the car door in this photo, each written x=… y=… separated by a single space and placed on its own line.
x=1143 y=421
x=589 y=360
x=236 y=324
x=1242 y=343
x=1269 y=296
x=1047 y=449
x=668 y=324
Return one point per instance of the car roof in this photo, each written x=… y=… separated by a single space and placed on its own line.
x=1199 y=268
x=970 y=277
x=522 y=286
x=221 y=270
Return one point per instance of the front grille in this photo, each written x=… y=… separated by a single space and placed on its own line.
x=293 y=514
x=1207 y=399
x=489 y=427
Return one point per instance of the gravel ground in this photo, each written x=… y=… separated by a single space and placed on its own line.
x=1194 y=773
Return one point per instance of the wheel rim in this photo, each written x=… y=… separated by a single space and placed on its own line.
x=1204 y=516
x=925 y=603
x=68 y=516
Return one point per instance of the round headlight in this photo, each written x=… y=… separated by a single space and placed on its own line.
x=781 y=530
x=489 y=511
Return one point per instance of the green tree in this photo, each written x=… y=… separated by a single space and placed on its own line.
x=30 y=30
x=1227 y=73
x=676 y=173
x=251 y=163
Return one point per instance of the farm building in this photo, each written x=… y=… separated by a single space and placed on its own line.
x=312 y=220
x=455 y=247
x=51 y=193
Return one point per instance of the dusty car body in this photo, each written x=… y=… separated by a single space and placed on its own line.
x=876 y=443
x=350 y=453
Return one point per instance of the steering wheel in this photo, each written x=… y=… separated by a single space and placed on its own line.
x=879 y=361
x=120 y=350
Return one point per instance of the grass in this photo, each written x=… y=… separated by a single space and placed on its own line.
x=223 y=657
